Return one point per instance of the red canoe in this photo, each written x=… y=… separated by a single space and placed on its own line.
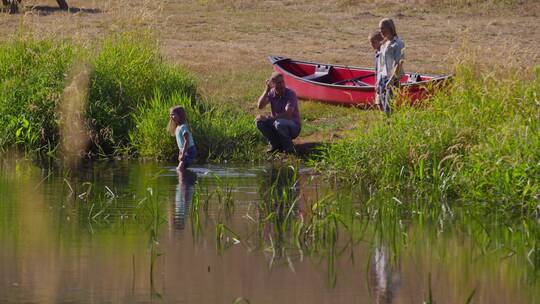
x=345 y=85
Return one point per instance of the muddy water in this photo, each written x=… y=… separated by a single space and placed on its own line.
x=123 y=232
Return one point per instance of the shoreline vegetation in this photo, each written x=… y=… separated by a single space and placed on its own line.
x=476 y=144
x=125 y=99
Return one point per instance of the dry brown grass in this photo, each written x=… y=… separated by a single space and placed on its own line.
x=226 y=42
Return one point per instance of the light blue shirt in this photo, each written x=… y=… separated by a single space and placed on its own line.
x=180 y=131
x=390 y=56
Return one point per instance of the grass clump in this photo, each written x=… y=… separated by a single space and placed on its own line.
x=219 y=133
x=479 y=144
x=31 y=83
x=127 y=71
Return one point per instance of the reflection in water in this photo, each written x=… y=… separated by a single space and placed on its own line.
x=183 y=197
x=281 y=188
x=59 y=233
x=384 y=279
x=280 y=202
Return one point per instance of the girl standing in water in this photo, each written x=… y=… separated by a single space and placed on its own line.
x=391 y=62
x=178 y=127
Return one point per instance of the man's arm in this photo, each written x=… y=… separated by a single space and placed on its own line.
x=263 y=99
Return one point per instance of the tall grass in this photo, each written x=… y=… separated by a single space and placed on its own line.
x=331 y=227
x=31 y=83
x=130 y=90
x=219 y=133
x=127 y=71
x=479 y=143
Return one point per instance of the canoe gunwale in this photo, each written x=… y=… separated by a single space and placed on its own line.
x=275 y=60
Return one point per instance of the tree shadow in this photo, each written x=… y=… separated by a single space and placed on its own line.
x=48 y=10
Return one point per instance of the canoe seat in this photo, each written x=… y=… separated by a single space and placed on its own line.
x=322 y=74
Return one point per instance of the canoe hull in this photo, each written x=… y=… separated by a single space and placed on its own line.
x=328 y=83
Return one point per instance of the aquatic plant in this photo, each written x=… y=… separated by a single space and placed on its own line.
x=330 y=227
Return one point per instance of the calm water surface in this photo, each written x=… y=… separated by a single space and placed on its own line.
x=123 y=232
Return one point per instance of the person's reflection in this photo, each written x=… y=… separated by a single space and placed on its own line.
x=183 y=197
x=384 y=279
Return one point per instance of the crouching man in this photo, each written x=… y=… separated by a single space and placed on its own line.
x=283 y=125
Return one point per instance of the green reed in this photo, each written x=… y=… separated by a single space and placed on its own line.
x=127 y=70
x=104 y=208
x=195 y=216
x=329 y=228
x=224 y=195
x=477 y=144
x=332 y=226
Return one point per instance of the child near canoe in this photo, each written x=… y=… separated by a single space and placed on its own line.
x=178 y=127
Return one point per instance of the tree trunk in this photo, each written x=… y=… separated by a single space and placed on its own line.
x=13 y=6
x=62 y=3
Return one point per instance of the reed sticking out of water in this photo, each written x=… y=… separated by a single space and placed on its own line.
x=287 y=228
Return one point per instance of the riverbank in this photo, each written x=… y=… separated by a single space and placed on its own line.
x=475 y=143
x=64 y=99
x=225 y=43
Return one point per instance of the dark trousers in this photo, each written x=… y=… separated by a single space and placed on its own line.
x=279 y=132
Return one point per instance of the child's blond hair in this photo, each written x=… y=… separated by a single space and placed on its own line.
x=181 y=114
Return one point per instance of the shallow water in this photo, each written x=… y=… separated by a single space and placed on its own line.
x=115 y=232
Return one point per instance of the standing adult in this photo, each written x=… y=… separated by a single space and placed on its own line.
x=283 y=124
x=391 y=62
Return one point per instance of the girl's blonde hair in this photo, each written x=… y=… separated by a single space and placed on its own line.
x=181 y=114
x=389 y=23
